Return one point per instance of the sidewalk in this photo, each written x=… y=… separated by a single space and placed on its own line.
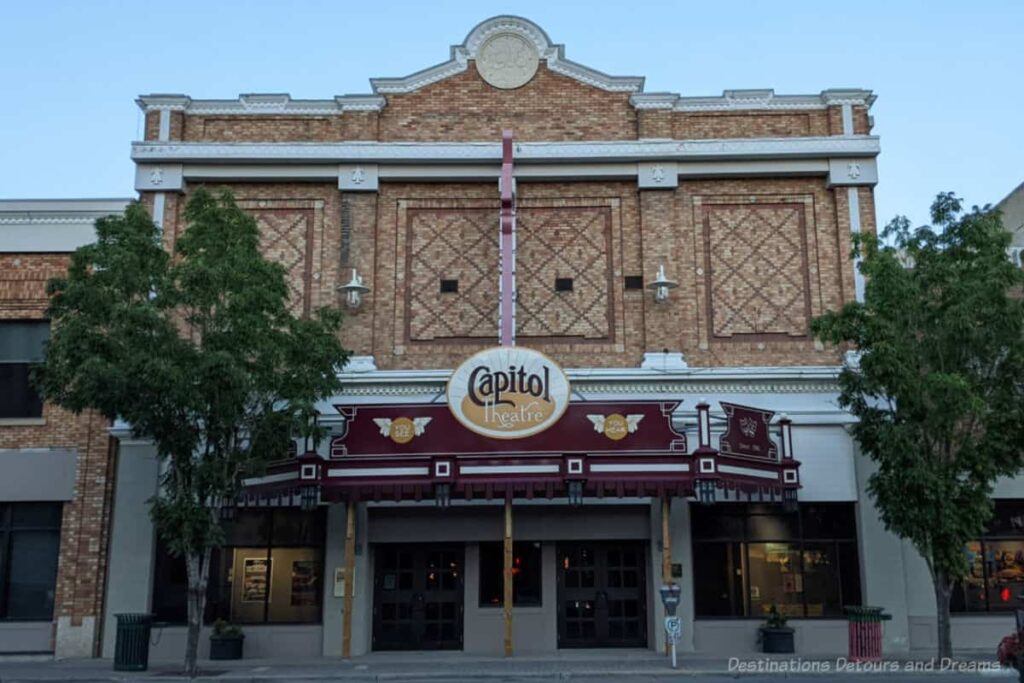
x=582 y=665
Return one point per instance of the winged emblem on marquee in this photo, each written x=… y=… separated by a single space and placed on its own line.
x=615 y=426
x=402 y=429
x=748 y=426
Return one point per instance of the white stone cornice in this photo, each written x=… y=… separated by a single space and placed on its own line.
x=360 y=102
x=854 y=96
x=158 y=102
x=539 y=152
x=654 y=100
x=260 y=104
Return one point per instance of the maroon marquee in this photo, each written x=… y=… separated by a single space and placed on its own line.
x=598 y=448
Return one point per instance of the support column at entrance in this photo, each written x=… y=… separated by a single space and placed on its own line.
x=336 y=559
x=507 y=575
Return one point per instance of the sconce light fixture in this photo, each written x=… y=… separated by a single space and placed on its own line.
x=789 y=500
x=309 y=497
x=575 y=492
x=354 y=290
x=442 y=495
x=662 y=285
x=705 y=489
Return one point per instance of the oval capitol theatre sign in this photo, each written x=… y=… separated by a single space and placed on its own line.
x=508 y=392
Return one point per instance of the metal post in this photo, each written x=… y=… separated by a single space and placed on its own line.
x=508 y=576
x=350 y=567
x=666 y=556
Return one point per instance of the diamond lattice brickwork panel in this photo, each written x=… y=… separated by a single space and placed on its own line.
x=756 y=270
x=459 y=243
x=564 y=242
x=286 y=237
x=452 y=244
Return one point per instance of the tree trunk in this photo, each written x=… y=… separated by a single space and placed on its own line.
x=943 y=589
x=198 y=566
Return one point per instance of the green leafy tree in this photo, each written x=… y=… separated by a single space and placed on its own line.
x=937 y=382
x=195 y=350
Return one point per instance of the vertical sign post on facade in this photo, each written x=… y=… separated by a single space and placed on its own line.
x=507 y=337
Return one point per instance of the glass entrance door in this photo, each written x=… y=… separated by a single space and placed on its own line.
x=417 y=597
x=602 y=601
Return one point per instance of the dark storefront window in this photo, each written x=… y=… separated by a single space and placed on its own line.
x=270 y=570
x=29 y=548
x=526 y=574
x=750 y=557
x=996 y=575
x=21 y=346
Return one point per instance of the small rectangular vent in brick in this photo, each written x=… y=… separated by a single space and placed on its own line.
x=563 y=284
x=449 y=286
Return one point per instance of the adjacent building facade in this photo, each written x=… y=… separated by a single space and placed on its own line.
x=675 y=420
x=55 y=483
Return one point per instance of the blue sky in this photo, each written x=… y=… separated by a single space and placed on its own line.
x=949 y=75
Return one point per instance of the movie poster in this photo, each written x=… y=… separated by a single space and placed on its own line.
x=255 y=575
x=304 y=583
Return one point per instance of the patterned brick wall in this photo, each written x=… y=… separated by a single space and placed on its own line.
x=464 y=107
x=200 y=128
x=756 y=270
x=460 y=245
x=81 y=566
x=756 y=259
x=751 y=125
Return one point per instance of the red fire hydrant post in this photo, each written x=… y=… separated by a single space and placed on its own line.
x=865 y=638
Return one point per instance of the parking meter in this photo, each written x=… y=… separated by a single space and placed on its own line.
x=673 y=625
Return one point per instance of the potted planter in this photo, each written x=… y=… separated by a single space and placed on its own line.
x=226 y=641
x=1011 y=653
x=775 y=636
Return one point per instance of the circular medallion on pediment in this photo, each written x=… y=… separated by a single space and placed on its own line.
x=507 y=60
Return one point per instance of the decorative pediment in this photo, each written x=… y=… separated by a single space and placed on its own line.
x=507 y=51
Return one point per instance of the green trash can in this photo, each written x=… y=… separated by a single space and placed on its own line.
x=131 y=648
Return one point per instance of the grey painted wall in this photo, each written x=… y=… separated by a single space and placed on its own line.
x=132 y=538
x=26 y=637
x=20 y=479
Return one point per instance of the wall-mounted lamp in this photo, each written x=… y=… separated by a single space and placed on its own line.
x=705 y=490
x=442 y=495
x=789 y=500
x=354 y=290
x=309 y=497
x=662 y=285
x=575 y=492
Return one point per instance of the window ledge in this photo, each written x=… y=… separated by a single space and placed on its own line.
x=22 y=421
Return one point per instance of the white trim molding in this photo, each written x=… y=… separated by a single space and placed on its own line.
x=361 y=166
x=866 y=146
x=753 y=100
x=262 y=104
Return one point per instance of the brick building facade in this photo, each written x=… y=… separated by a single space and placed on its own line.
x=741 y=206
x=57 y=524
